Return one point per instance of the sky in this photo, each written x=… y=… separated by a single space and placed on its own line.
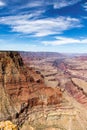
x=44 y=25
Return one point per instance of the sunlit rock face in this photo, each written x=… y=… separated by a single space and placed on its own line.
x=41 y=94
x=22 y=89
x=8 y=125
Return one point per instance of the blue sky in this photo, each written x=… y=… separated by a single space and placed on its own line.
x=43 y=25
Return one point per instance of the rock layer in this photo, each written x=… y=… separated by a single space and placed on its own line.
x=27 y=101
x=22 y=87
x=69 y=74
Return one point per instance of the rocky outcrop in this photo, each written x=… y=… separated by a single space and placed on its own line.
x=7 y=125
x=22 y=88
x=77 y=89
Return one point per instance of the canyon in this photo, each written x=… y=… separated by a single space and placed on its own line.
x=43 y=91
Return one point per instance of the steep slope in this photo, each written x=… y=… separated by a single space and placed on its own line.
x=22 y=88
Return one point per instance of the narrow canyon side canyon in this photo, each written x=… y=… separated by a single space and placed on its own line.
x=43 y=91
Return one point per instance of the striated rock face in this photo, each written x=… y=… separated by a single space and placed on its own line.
x=70 y=75
x=77 y=88
x=21 y=88
x=30 y=96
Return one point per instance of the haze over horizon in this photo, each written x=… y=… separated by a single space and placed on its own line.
x=39 y=25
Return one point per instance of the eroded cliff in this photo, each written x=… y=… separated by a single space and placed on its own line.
x=69 y=74
x=22 y=88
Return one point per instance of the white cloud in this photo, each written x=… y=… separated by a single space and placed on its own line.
x=2 y=4
x=65 y=40
x=85 y=6
x=30 y=4
x=27 y=24
x=62 y=3
x=33 y=4
x=55 y=3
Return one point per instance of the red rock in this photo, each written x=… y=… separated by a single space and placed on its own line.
x=24 y=85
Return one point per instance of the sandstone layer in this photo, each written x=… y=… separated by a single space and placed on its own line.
x=22 y=88
x=43 y=92
x=68 y=74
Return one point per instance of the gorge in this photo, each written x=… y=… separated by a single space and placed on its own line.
x=43 y=91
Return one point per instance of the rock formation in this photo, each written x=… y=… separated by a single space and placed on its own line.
x=22 y=88
x=42 y=94
x=7 y=125
x=68 y=74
